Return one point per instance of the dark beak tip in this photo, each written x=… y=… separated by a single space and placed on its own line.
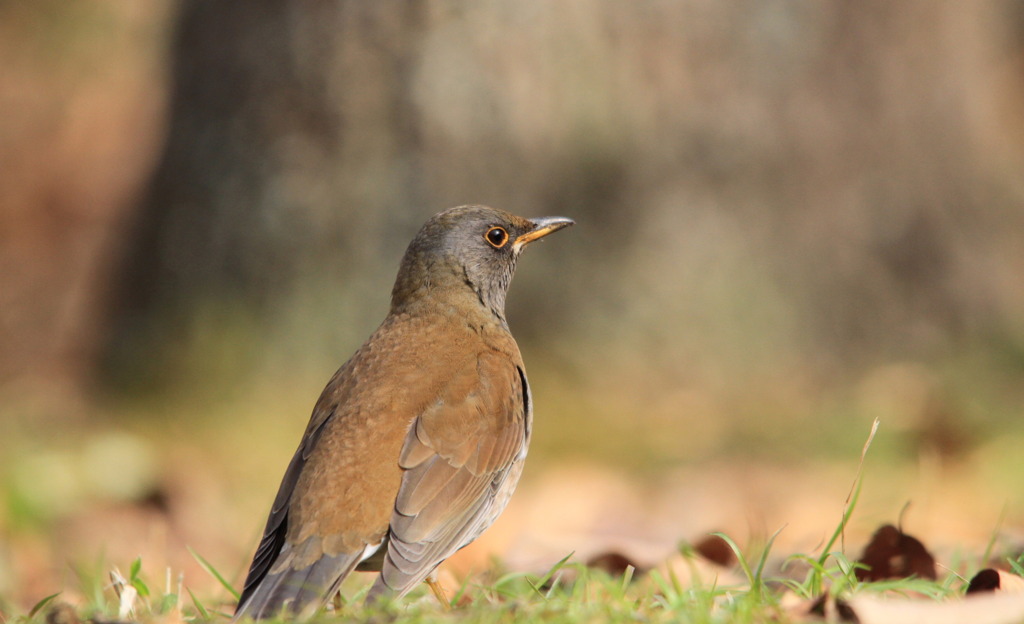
x=553 y=223
x=544 y=226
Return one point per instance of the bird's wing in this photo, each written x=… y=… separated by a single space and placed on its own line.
x=460 y=459
x=263 y=590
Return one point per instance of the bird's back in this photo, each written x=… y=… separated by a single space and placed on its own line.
x=337 y=499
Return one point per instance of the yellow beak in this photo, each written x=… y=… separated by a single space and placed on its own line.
x=542 y=227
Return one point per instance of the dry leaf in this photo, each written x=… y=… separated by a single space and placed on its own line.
x=716 y=550
x=1000 y=608
x=614 y=563
x=697 y=571
x=986 y=580
x=833 y=609
x=992 y=580
x=894 y=554
x=824 y=608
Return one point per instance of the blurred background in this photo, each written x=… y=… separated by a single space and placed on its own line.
x=793 y=218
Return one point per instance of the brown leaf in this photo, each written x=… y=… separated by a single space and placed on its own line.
x=716 y=550
x=613 y=563
x=832 y=609
x=894 y=554
x=986 y=580
x=992 y=580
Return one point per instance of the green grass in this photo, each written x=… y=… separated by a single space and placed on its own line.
x=759 y=589
x=568 y=592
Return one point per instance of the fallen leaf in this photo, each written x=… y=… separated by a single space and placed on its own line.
x=823 y=608
x=690 y=571
x=986 y=580
x=613 y=563
x=891 y=553
x=985 y=608
x=716 y=550
x=992 y=580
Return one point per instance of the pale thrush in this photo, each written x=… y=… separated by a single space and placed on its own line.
x=416 y=444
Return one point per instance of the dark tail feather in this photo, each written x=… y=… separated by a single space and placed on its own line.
x=297 y=591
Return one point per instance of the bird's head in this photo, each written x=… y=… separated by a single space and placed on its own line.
x=469 y=248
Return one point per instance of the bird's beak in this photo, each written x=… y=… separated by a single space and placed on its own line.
x=542 y=226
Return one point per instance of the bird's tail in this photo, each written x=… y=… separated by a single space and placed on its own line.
x=297 y=591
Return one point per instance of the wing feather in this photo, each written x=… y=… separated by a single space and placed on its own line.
x=269 y=550
x=461 y=459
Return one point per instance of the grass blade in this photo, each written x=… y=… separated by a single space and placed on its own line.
x=739 y=556
x=213 y=572
x=542 y=581
x=199 y=606
x=851 y=502
x=42 y=603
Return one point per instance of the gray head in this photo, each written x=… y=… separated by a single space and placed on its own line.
x=469 y=250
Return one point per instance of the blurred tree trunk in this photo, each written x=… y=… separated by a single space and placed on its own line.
x=267 y=153
x=81 y=92
x=833 y=181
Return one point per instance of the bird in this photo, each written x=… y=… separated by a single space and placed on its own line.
x=417 y=442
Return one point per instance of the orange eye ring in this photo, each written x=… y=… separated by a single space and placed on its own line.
x=496 y=237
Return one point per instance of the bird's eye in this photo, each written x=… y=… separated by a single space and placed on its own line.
x=497 y=237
